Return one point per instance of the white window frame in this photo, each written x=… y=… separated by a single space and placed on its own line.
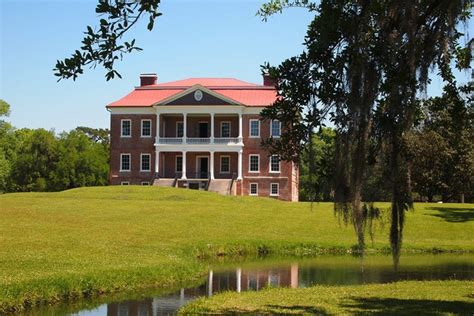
x=270 y=164
x=250 y=128
x=278 y=189
x=121 y=128
x=141 y=128
x=141 y=162
x=145 y=183
x=177 y=124
x=125 y=183
x=271 y=128
x=250 y=163
x=129 y=162
x=250 y=189
x=176 y=163
x=230 y=129
x=224 y=172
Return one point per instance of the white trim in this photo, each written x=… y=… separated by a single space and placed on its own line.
x=141 y=162
x=177 y=123
x=278 y=189
x=141 y=128
x=124 y=182
x=250 y=189
x=230 y=129
x=271 y=128
x=250 y=128
x=145 y=183
x=129 y=162
x=197 y=163
x=176 y=163
x=220 y=164
x=121 y=128
x=258 y=156
x=131 y=110
x=270 y=164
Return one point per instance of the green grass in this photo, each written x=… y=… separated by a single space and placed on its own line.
x=90 y=241
x=406 y=298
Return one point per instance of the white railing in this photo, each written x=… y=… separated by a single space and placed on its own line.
x=226 y=140
x=198 y=140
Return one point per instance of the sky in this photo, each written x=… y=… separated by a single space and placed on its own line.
x=193 y=38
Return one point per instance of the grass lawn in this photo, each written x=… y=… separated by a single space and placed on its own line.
x=89 y=241
x=407 y=298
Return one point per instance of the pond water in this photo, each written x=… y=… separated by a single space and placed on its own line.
x=254 y=276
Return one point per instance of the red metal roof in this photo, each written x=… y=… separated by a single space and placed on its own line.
x=249 y=94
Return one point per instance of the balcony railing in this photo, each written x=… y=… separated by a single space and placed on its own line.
x=198 y=140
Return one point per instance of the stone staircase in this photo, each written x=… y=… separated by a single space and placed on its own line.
x=221 y=186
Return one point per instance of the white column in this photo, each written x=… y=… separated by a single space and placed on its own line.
x=212 y=128
x=239 y=279
x=240 y=127
x=183 y=176
x=211 y=167
x=185 y=128
x=239 y=166
x=157 y=128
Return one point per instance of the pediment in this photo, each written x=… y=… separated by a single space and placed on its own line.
x=198 y=95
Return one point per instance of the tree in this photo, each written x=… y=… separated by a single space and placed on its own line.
x=363 y=65
x=104 y=45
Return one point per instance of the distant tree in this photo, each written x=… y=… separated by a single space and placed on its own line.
x=97 y=135
x=7 y=145
x=319 y=186
x=104 y=45
x=4 y=108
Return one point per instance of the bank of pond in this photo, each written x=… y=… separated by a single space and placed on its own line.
x=264 y=273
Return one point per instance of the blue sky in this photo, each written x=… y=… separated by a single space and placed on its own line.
x=219 y=38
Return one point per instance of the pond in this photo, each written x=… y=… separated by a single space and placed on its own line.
x=257 y=275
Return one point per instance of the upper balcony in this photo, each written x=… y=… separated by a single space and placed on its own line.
x=199 y=129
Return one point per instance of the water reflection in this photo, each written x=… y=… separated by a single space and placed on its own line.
x=291 y=275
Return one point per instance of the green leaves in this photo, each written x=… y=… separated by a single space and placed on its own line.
x=103 y=46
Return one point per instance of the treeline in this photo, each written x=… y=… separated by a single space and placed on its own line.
x=40 y=160
x=441 y=154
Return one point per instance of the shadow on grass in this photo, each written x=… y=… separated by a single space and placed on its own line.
x=453 y=214
x=277 y=310
x=394 y=306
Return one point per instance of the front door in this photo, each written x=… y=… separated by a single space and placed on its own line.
x=203 y=127
x=203 y=167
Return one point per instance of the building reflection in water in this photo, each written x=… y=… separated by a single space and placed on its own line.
x=238 y=280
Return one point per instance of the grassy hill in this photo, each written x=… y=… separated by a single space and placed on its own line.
x=89 y=241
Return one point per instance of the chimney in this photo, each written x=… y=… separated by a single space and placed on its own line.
x=148 y=79
x=268 y=80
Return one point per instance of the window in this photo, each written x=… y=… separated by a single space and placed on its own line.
x=274 y=189
x=254 y=128
x=145 y=162
x=274 y=163
x=225 y=164
x=179 y=164
x=125 y=183
x=145 y=183
x=146 y=128
x=225 y=129
x=275 y=129
x=125 y=162
x=126 y=130
x=253 y=189
x=254 y=163
x=179 y=129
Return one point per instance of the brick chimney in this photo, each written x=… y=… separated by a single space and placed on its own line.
x=268 y=81
x=148 y=79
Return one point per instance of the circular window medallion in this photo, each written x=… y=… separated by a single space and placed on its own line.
x=198 y=95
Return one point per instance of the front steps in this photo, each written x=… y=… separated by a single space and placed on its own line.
x=165 y=182
x=221 y=186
